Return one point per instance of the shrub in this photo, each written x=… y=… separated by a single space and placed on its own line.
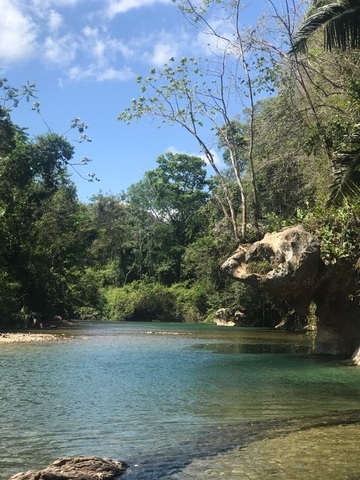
x=192 y=302
x=140 y=301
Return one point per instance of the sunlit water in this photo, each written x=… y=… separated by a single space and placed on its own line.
x=181 y=401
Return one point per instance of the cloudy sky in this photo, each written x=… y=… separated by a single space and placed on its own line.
x=84 y=56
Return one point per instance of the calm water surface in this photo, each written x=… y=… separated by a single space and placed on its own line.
x=181 y=401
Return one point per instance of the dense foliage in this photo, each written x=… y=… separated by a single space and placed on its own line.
x=153 y=252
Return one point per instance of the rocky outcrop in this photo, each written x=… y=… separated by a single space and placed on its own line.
x=76 y=468
x=287 y=264
x=228 y=317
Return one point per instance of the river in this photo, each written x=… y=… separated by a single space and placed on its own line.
x=181 y=401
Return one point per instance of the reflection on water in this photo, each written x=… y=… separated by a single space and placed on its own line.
x=179 y=401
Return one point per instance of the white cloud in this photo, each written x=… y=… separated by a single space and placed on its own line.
x=55 y=20
x=60 y=51
x=18 y=33
x=93 y=72
x=162 y=53
x=218 y=161
x=119 y=75
x=89 y=32
x=101 y=45
x=175 y=150
x=116 y=7
x=48 y=4
x=157 y=48
x=68 y=38
x=90 y=54
x=206 y=41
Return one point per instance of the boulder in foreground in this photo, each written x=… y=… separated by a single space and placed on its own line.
x=76 y=468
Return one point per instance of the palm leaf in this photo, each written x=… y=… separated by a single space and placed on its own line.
x=341 y=23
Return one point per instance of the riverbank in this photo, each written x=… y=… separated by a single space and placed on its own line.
x=29 y=337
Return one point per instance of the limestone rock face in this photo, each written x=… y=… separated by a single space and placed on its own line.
x=76 y=468
x=283 y=263
x=287 y=264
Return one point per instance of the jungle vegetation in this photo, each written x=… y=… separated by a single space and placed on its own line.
x=291 y=154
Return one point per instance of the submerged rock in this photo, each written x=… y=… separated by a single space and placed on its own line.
x=76 y=468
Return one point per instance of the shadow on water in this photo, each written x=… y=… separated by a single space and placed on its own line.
x=222 y=439
x=259 y=348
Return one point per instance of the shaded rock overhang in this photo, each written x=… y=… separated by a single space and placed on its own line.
x=288 y=265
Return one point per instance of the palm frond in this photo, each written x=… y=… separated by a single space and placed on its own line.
x=341 y=23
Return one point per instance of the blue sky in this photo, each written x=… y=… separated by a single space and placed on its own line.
x=84 y=56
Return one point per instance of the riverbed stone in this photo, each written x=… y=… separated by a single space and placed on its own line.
x=76 y=468
x=229 y=317
x=356 y=357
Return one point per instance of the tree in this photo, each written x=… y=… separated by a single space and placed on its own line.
x=41 y=222
x=168 y=200
x=179 y=95
x=42 y=226
x=206 y=94
x=109 y=216
x=288 y=175
x=236 y=57
x=178 y=186
x=340 y=21
x=346 y=177
x=45 y=231
x=54 y=252
x=113 y=251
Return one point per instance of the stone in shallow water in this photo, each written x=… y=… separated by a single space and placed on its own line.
x=76 y=468
x=356 y=357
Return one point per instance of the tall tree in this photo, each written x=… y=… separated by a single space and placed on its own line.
x=183 y=94
x=169 y=199
x=178 y=185
x=340 y=23
x=40 y=222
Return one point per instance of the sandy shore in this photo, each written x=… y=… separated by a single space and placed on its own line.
x=28 y=337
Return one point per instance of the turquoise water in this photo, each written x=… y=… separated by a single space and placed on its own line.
x=177 y=401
